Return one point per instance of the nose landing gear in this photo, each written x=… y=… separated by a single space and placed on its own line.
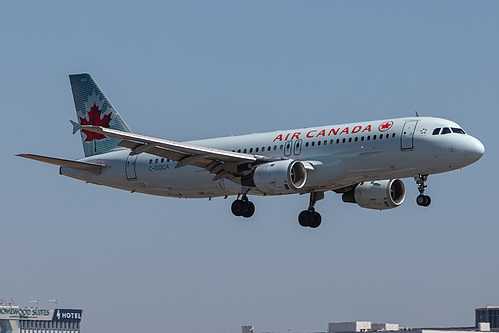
x=311 y=218
x=422 y=199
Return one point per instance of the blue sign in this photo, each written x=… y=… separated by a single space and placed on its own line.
x=67 y=315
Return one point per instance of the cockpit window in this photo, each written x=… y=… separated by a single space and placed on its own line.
x=457 y=130
x=436 y=131
x=445 y=130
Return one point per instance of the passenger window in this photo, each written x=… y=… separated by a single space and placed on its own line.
x=313 y=143
x=325 y=142
x=387 y=136
x=268 y=148
x=306 y=144
x=245 y=150
x=251 y=150
x=318 y=143
x=361 y=138
x=436 y=131
x=349 y=139
x=344 y=140
x=331 y=142
x=374 y=137
x=356 y=139
x=368 y=137
x=457 y=130
x=156 y=161
x=162 y=160
x=281 y=147
x=239 y=150
x=256 y=150
x=337 y=141
x=150 y=161
x=445 y=130
x=393 y=135
x=263 y=149
x=275 y=147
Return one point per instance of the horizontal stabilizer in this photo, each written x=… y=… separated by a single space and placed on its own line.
x=93 y=167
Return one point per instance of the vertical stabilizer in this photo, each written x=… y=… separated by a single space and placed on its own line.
x=93 y=108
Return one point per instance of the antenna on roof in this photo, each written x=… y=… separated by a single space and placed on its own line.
x=37 y=302
x=417 y=114
x=1 y=300
x=55 y=301
x=12 y=301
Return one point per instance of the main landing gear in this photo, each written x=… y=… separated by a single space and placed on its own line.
x=243 y=207
x=422 y=199
x=311 y=218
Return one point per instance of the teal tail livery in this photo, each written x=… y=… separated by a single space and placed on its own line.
x=93 y=108
x=362 y=161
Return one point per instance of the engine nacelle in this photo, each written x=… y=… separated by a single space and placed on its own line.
x=284 y=176
x=379 y=194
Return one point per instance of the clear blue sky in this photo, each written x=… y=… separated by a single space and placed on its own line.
x=197 y=69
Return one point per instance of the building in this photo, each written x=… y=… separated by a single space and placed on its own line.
x=487 y=314
x=14 y=319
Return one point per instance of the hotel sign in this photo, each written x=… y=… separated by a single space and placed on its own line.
x=14 y=312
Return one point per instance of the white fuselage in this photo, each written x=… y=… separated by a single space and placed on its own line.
x=341 y=155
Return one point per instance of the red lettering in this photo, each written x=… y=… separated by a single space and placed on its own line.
x=308 y=134
x=279 y=137
x=368 y=128
x=296 y=135
x=345 y=130
x=287 y=136
x=356 y=129
x=321 y=133
x=334 y=131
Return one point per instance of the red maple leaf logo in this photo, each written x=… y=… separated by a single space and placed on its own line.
x=385 y=126
x=94 y=118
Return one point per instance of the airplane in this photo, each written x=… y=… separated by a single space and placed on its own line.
x=362 y=161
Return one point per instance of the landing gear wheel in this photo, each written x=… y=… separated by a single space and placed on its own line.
x=243 y=207
x=238 y=207
x=250 y=209
x=306 y=218
x=309 y=218
x=317 y=220
x=423 y=200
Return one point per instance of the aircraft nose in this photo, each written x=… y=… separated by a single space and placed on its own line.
x=473 y=149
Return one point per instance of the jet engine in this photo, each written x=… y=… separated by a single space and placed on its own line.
x=284 y=176
x=379 y=194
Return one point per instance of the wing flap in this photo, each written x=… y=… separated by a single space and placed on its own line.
x=93 y=167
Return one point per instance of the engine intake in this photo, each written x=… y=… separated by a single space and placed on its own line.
x=379 y=194
x=280 y=177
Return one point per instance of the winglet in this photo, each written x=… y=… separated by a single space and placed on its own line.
x=76 y=126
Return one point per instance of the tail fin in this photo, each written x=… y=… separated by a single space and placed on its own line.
x=93 y=108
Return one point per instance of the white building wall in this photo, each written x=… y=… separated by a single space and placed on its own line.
x=350 y=326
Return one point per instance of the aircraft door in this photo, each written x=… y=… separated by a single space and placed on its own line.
x=297 y=147
x=130 y=163
x=288 y=147
x=407 y=137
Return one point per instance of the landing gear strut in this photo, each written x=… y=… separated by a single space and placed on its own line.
x=243 y=207
x=422 y=199
x=311 y=218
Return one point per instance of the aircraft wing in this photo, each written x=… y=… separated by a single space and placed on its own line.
x=223 y=163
